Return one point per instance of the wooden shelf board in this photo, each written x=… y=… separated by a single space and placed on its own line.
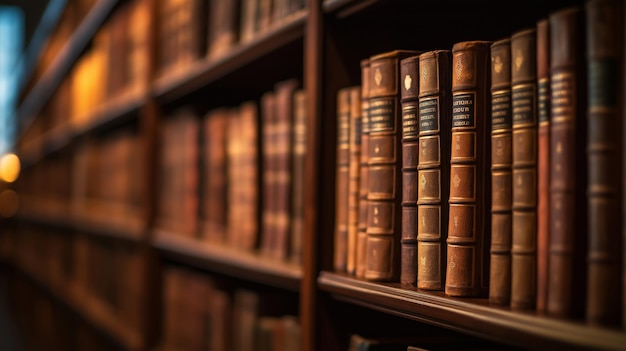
x=207 y=70
x=474 y=316
x=345 y=8
x=62 y=63
x=90 y=309
x=229 y=261
x=109 y=229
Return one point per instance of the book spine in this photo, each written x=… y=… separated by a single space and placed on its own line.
x=604 y=134
x=543 y=161
x=268 y=110
x=435 y=111
x=567 y=226
x=248 y=180
x=354 y=176
x=299 y=157
x=361 y=253
x=282 y=171
x=501 y=186
x=342 y=180
x=385 y=178
x=524 y=248
x=409 y=75
x=467 y=268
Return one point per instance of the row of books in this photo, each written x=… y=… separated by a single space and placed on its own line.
x=106 y=271
x=201 y=315
x=233 y=175
x=194 y=29
x=494 y=168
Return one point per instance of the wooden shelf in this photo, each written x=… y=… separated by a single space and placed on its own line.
x=345 y=8
x=58 y=69
x=474 y=316
x=229 y=261
x=89 y=309
x=120 y=109
x=206 y=71
x=129 y=229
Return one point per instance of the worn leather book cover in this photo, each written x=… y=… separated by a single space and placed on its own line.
x=468 y=229
x=568 y=228
x=543 y=161
x=501 y=160
x=409 y=81
x=605 y=59
x=435 y=115
x=384 y=220
x=524 y=245
x=213 y=182
x=354 y=176
x=361 y=254
x=299 y=132
x=342 y=179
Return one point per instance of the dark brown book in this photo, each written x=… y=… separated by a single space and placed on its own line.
x=384 y=215
x=409 y=81
x=524 y=245
x=243 y=176
x=605 y=59
x=468 y=229
x=543 y=161
x=214 y=199
x=281 y=173
x=137 y=54
x=501 y=160
x=567 y=165
x=340 y=262
x=298 y=164
x=245 y=317
x=223 y=27
x=361 y=253
x=435 y=115
x=354 y=173
x=249 y=9
x=220 y=321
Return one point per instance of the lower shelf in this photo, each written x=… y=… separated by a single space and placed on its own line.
x=90 y=310
x=473 y=316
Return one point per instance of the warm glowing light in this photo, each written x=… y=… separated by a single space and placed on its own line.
x=9 y=168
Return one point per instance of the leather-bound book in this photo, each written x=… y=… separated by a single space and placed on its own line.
x=243 y=176
x=543 y=161
x=435 y=115
x=214 y=199
x=567 y=165
x=468 y=229
x=354 y=176
x=222 y=26
x=605 y=59
x=501 y=160
x=361 y=254
x=385 y=165
x=409 y=81
x=524 y=246
x=298 y=163
x=340 y=261
x=268 y=209
x=282 y=172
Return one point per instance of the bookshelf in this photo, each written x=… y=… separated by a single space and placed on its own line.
x=104 y=231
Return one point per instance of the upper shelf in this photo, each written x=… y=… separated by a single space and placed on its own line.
x=52 y=77
x=475 y=316
x=207 y=70
x=226 y=260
